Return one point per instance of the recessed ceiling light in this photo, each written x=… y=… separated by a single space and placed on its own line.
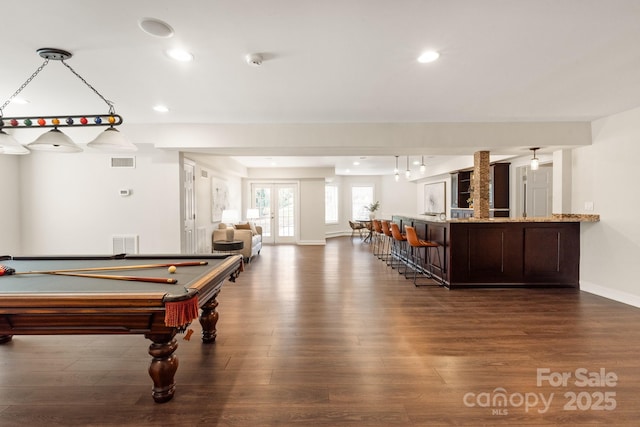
x=155 y=27
x=161 y=108
x=180 y=55
x=428 y=56
x=356 y=163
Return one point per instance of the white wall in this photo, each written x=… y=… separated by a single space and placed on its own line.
x=312 y=229
x=604 y=174
x=70 y=203
x=10 y=204
x=396 y=197
x=352 y=138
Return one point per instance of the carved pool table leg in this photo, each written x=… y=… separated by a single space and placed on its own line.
x=209 y=319
x=163 y=365
x=5 y=338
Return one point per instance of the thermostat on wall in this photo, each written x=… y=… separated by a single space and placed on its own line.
x=125 y=192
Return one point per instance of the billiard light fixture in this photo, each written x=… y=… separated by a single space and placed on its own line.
x=535 y=163
x=55 y=139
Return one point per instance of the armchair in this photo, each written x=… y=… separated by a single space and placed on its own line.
x=249 y=234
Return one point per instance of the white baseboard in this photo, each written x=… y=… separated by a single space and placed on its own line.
x=340 y=234
x=337 y=234
x=612 y=294
x=312 y=242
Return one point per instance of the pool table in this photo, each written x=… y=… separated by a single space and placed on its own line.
x=51 y=304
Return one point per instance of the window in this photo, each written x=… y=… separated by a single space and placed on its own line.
x=331 y=204
x=361 y=197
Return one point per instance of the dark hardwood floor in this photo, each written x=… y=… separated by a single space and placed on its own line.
x=330 y=336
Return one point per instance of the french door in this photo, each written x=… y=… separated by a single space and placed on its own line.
x=278 y=207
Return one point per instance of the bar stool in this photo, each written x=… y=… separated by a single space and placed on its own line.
x=376 y=238
x=401 y=248
x=386 y=243
x=417 y=244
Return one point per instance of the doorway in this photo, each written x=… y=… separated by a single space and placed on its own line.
x=277 y=204
x=189 y=207
x=535 y=191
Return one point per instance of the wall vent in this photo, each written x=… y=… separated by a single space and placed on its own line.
x=123 y=162
x=125 y=244
x=204 y=174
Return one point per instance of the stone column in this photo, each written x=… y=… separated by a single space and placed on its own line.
x=480 y=182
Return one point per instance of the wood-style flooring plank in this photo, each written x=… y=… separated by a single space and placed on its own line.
x=331 y=336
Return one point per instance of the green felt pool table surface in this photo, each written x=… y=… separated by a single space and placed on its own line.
x=56 y=284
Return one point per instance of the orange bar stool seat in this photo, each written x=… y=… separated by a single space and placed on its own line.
x=419 y=257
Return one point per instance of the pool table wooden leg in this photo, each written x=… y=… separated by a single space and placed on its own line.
x=163 y=365
x=209 y=319
x=5 y=338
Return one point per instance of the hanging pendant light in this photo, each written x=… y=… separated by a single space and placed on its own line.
x=54 y=140
x=423 y=167
x=535 y=163
x=9 y=145
x=112 y=139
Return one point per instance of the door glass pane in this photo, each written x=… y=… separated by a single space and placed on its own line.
x=286 y=212
x=262 y=199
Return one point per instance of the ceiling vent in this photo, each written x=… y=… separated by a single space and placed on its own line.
x=123 y=162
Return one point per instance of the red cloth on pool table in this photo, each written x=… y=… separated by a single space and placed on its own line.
x=180 y=313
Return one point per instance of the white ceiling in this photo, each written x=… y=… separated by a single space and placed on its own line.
x=334 y=61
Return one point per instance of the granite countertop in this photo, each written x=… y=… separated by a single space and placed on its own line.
x=552 y=218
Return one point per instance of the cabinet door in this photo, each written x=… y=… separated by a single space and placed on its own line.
x=493 y=254
x=552 y=253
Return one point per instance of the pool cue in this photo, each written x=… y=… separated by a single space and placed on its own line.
x=129 y=278
x=118 y=267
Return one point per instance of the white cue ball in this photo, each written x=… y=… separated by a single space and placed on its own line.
x=172 y=269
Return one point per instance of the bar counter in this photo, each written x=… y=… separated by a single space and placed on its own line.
x=532 y=251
